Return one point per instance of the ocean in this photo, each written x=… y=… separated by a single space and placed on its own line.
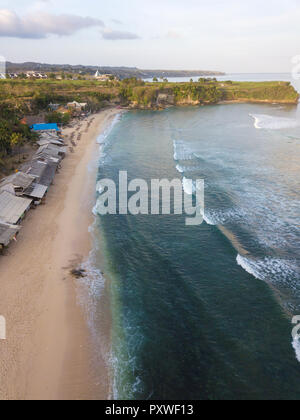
x=238 y=77
x=203 y=312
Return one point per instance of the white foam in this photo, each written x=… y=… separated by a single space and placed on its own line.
x=179 y=168
x=222 y=217
x=274 y=270
x=247 y=266
x=89 y=292
x=296 y=346
x=103 y=136
x=207 y=219
x=269 y=122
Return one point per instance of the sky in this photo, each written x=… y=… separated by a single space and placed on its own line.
x=226 y=35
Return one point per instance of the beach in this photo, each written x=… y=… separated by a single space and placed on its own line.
x=47 y=354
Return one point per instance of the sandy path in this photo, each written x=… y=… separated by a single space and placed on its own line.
x=47 y=351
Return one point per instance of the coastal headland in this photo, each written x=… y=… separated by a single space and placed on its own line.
x=33 y=96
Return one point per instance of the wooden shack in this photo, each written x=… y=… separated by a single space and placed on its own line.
x=16 y=183
x=12 y=208
x=7 y=233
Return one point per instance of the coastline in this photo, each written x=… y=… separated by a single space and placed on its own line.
x=48 y=352
x=186 y=104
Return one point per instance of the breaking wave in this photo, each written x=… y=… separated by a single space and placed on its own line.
x=222 y=217
x=270 y=269
x=188 y=186
x=296 y=346
x=273 y=123
x=103 y=136
x=180 y=168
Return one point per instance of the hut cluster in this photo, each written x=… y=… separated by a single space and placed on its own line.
x=28 y=187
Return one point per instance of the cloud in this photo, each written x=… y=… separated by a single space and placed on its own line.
x=112 y=35
x=39 y=25
x=117 y=21
x=173 y=35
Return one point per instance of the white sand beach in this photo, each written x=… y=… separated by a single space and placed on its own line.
x=47 y=351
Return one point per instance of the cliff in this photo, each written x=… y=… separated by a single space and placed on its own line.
x=33 y=96
x=157 y=96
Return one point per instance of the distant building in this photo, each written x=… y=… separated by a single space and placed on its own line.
x=77 y=106
x=35 y=75
x=53 y=107
x=104 y=77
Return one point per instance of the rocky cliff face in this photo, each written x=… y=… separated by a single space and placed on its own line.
x=165 y=99
x=187 y=101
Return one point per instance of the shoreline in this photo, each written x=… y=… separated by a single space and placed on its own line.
x=48 y=351
x=223 y=102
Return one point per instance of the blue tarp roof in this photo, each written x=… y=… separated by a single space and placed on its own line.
x=42 y=127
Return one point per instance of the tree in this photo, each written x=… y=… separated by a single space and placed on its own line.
x=58 y=117
x=155 y=79
x=17 y=141
x=5 y=146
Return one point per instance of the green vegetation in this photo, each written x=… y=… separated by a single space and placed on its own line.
x=260 y=91
x=21 y=97
x=137 y=93
x=13 y=134
x=35 y=95
x=58 y=117
x=197 y=92
x=32 y=96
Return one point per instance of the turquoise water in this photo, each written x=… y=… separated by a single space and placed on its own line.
x=205 y=312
